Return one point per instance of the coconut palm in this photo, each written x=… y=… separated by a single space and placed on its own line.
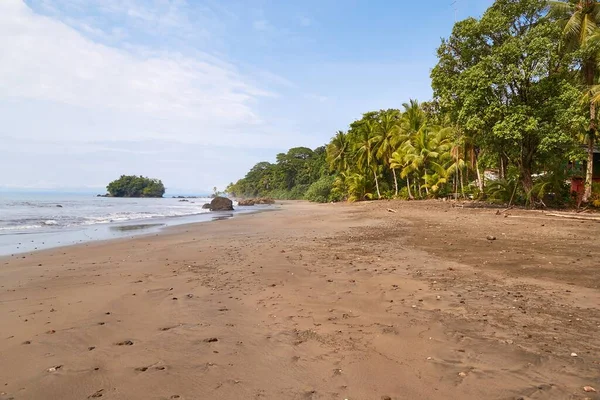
x=413 y=117
x=399 y=161
x=426 y=155
x=580 y=21
x=366 y=151
x=388 y=138
x=337 y=152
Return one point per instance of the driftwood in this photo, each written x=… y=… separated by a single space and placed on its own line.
x=506 y=209
x=579 y=217
x=391 y=210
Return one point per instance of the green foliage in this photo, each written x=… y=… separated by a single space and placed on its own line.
x=503 y=81
x=507 y=98
x=320 y=191
x=502 y=191
x=288 y=178
x=595 y=199
x=135 y=186
x=403 y=194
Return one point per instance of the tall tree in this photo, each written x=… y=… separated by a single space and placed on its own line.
x=503 y=81
x=338 y=151
x=580 y=20
x=388 y=138
x=366 y=152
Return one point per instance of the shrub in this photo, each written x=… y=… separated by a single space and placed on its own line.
x=595 y=199
x=403 y=193
x=320 y=191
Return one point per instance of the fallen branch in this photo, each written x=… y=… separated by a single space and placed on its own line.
x=506 y=209
x=391 y=210
x=597 y=219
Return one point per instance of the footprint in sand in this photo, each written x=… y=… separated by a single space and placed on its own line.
x=125 y=343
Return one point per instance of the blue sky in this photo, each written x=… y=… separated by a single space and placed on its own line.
x=193 y=91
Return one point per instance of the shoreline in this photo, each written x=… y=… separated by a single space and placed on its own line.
x=315 y=301
x=82 y=235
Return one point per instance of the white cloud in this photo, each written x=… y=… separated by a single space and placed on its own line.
x=79 y=111
x=44 y=60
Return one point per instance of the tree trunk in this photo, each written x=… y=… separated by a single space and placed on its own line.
x=377 y=184
x=589 y=172
x=479 y=177
x=479 y=180
x=395 y=181
x=462 y=188
x=410 y=196
x=417 y=186
x=503 y=167
x=455 y=184
x=527 y=181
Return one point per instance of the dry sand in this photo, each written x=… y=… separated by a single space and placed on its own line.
x=312 y=302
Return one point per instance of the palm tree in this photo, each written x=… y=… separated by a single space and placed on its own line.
x=337 y=152
x=398 y=160
x=426 y=154
x=365 y=150
x=388 y=137
x=581 y=19
x=413 y=117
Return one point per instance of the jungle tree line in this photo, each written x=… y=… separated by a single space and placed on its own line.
x=514 y=91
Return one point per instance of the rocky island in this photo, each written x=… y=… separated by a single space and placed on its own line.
x=135 y=186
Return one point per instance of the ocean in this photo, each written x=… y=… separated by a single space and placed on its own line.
x=31 y=222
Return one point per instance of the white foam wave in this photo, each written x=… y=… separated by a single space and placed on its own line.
x=19 y=227
x=122 y=217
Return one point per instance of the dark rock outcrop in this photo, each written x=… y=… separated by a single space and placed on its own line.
x=221 y=204
x=264 y=200
x=246 y=202
x=206 y=206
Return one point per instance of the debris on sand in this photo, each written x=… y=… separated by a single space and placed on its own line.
x=97 y=394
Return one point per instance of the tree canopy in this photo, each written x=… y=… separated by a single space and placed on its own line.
x=135 y=186
x=515 y=96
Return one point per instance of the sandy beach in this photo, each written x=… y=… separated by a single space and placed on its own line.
x=334 y=301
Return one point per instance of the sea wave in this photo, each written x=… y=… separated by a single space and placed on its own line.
x=124 y=217
x=19 y=227
x=31 y=216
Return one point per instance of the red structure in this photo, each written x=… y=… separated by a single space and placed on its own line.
x=578 y=182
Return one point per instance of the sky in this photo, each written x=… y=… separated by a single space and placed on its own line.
x=195 y=92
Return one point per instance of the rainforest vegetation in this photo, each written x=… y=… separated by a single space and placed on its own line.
x=135 y=186
x=513 y=117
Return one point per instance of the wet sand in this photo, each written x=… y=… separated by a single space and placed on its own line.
x=344 y=301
